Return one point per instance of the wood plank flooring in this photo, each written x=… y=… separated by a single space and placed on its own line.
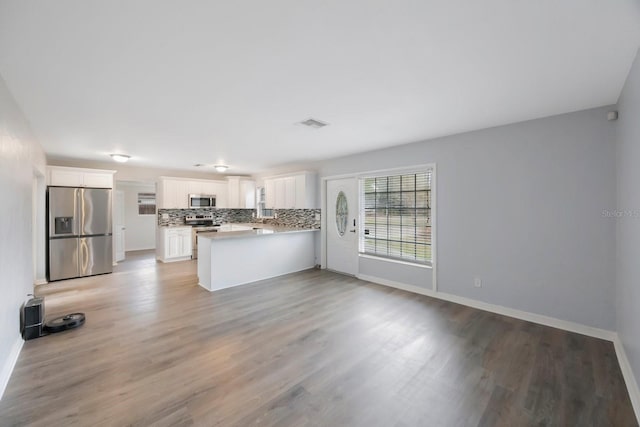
x=307 y=349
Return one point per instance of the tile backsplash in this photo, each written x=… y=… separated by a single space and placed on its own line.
x=301 y=218
x=220 y=216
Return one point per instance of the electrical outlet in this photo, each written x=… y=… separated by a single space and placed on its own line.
x=165 y=216
x=317 y=217
x=477 y=282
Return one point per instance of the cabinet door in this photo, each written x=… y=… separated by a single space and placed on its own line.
x=196 y=187
x=169 y=194
x=248 y=194
x=66 y=178
x=208 y=188
x=173 y=245
x=185 y=242
x=290 y=192
x=98 y=180
x=269 y=193
x=233 y=193
x=220 y=190
x=182 y=194
x=301 y=193
x=281 y=201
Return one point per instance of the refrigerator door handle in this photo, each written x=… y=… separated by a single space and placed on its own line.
x=84 y=256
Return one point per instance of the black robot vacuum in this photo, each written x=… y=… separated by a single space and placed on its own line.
x=33 y=325
x=63 y=323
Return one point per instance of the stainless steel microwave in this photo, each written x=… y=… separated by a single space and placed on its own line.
x=202 y=201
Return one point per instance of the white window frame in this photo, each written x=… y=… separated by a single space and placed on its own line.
x=140 y=203
x=260 y=204
x=361 y=202
x=382 y=172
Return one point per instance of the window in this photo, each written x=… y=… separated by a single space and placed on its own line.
x=397 y=217
x=262 y=211
x=146 y=203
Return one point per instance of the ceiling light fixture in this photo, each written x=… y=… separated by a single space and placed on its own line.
x=221 y=168
x=120 y=158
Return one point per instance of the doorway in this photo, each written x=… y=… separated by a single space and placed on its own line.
x=342 y=225
x=134 y=216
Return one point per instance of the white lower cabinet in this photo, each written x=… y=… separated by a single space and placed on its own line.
x=173 y=244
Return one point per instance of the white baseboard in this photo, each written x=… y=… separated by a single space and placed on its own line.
x=623 y=361
x=627 y=373
x=9 y=364
x=498 y=309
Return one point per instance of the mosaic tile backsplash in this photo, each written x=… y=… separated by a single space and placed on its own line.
x=300 y=218
x=220 y=216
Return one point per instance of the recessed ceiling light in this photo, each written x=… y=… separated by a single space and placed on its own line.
x=221 y=168
x=121 y=158
x=314 y=123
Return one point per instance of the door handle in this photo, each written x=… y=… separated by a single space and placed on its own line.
x=353 y=231
x=84 y=255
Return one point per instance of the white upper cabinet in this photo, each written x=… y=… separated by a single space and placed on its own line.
x=270 y=193
x=78 y=177
x=173 y=193
x=296 y=191
x=241 y=193
x=248 y=193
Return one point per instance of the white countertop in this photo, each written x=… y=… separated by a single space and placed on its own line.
x=255 y=231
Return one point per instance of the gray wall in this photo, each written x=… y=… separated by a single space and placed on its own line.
x=628 y=221
x=520 y=206
x=21 y=158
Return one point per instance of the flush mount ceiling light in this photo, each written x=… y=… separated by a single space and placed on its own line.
x=314 y=123
x=220 y=168
x=121 y=158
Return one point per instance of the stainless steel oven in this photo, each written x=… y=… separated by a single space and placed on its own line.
x=194 y=237
x=199 y=223
x=202 y=201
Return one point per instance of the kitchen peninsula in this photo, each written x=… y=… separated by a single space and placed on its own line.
x=254 y=252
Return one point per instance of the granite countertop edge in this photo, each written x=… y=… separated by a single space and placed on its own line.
x=258 y=231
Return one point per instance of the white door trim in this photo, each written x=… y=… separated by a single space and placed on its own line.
x=360 y=174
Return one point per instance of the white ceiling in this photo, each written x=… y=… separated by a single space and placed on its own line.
x=174 y=83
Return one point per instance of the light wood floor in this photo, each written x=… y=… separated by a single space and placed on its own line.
x=312 y=348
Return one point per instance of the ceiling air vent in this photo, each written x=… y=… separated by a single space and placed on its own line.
x=313 y=123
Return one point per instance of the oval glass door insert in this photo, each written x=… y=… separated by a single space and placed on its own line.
x=342 y=213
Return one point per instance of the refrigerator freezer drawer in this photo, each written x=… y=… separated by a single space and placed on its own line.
x=96 y=256
x=63 y=258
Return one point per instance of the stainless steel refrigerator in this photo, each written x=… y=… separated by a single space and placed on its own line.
x=79 y=228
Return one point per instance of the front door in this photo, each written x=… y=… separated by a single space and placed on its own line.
x=342 y=225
